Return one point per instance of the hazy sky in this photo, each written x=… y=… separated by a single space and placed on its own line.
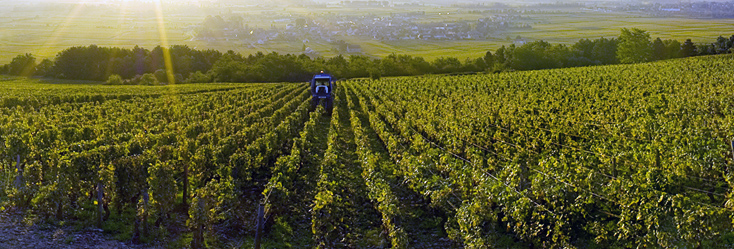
x=438 y=2
x=326 y=1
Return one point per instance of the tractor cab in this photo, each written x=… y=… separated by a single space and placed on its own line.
x=322 y=87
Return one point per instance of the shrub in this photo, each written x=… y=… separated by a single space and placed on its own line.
x=199 y=77
x=114 y=80
x=148 y=79
x=161 y=75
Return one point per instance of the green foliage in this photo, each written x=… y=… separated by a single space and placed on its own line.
x=553 y=158
x=672 y=49
x=114 y=80
x=634 y=46
x=161 y=76
x=148 y=79
x=511 y=170
x=688 y=49
x=198 y=77
x=22 y=65
x=163 y=187
x=281 y=234
x=47 y=200
x=45 y=68
x=99 y=63
x=447 y=65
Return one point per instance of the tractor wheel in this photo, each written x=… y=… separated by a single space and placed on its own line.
x=329 y=104
x=314 y=103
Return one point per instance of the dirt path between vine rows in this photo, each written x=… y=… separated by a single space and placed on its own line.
x=17 y=232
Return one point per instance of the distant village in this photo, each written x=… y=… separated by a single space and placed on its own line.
x=404 y=24
x=684 y=9
x=332 y=27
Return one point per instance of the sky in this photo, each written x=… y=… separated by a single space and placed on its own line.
x=326 y=1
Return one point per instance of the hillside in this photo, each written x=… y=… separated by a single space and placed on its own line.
x=615 y=156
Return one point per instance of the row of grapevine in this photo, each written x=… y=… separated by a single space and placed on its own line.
x=607 y=155
x=379 y=190
x=230 y=196
x=281 y=183
x=341 y=214
x=37 y=93
x=218 y=142
x=614 y=156
x=414 y=211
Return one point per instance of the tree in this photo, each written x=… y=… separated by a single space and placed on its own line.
x=447 y=65
x=500 y=55
x=359 y=66
x=489 y=60
x=605 y=51
x=634 y=46
x=533 y=55
x=721 y=45
x=584 y=48
x=705 y=49
x=688 y=49
x=560 y=56
x=23 y=65
x=90 y=63
x=673 y=48
x=229 y=68
x=659 y=51
x=45 y=68
x=474 y=65
x=199 y=77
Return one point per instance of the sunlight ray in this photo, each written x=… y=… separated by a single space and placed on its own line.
x=60 y=30
x=118 y=34
x=124 y=8
x=164 y=42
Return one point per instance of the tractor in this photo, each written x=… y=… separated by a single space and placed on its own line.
x=322 y=88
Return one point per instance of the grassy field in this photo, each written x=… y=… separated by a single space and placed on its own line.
x=569 y=28
x=46 y=31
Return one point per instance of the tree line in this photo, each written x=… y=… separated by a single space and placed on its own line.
x=141 y=66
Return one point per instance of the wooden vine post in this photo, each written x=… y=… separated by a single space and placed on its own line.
x=100 y=208
x=146 y=199
x=185 y=195
x=614 y=167
x=524 y=182
x=259 y=225
x=19 y=177
x=100 y=194
x=198 y=240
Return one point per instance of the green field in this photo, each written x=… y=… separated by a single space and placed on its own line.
x=609 y=156
x=569 y=28
x=45 y=32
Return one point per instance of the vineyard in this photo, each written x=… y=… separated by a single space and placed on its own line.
x=614 y=156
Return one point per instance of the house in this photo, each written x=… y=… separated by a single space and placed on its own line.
x=310 y=52
x=354 y=49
